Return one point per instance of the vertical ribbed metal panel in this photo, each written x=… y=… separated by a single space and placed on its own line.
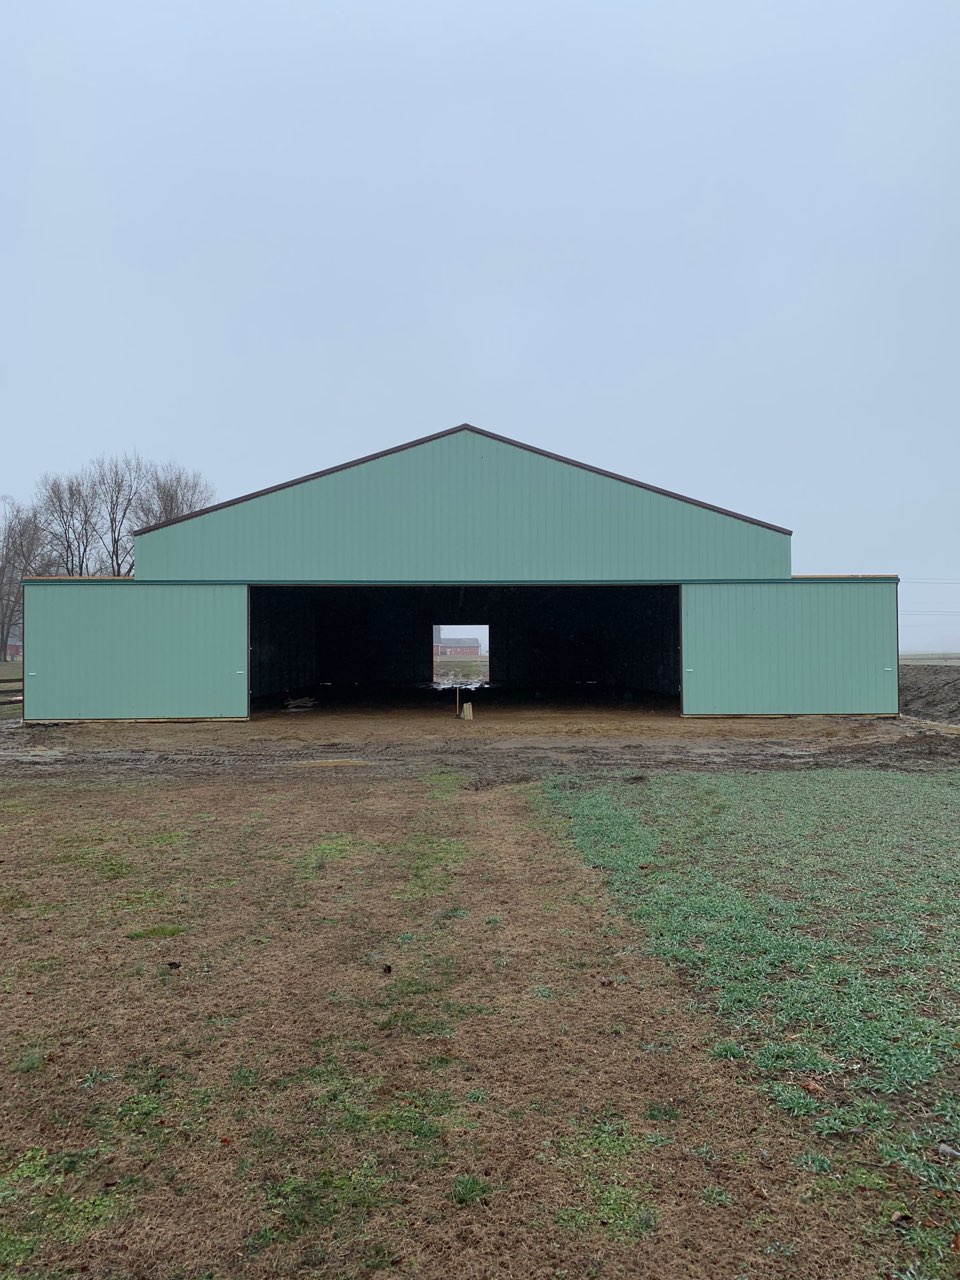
x=463 y=508
x=125 y=650
x=798 y=647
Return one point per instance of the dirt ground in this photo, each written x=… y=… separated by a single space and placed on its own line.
x=502 y=744
x=390 y=1023
x=931 y=691
x=325 y=994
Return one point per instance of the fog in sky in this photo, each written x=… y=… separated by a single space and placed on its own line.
x=712 y=246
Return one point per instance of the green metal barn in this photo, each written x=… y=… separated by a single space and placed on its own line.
x=584 y=577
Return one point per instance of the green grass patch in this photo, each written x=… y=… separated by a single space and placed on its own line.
x=158 y=931
x=334 y=848
x=413 y=1002
x=815 y=1162
x=467 y=1188
x=299 y=1203
x=818 y=914
x=443 y=784
x=715 y=1196
x=433 y=976
x=417 y=1114
x=416 y=1022
x=245 y=1077
x=348 y=1102
x=603 y=1156
x=156 y=1104
x=618 y=1211
x=169 y=839
x=139 y=900
x=31 y=1059
x=662 y=1111
x=39 y=1203
x=727 y=1049
x=431 y=862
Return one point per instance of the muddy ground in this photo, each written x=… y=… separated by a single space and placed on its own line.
x=931 y=691
x=502 y=745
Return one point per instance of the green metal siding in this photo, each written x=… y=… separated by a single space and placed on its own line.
x=816 y=647
x=125 y=650
x=462 y=508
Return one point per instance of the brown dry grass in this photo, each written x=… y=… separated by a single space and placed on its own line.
x=437 y=991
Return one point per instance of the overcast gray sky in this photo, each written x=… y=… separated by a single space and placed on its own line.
x=712 y=246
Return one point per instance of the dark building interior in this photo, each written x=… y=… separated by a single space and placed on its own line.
x=363 y=641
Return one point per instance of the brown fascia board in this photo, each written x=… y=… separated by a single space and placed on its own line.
x=440 y=435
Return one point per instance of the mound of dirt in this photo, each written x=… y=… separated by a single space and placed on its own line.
x=930 y=692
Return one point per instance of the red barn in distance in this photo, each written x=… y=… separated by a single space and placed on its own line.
x=455 y=646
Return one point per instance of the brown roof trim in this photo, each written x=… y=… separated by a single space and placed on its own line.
x=439 y=435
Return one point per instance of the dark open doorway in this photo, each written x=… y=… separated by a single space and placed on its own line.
x=367 y=642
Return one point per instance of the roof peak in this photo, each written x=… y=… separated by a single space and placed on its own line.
x=451 y=431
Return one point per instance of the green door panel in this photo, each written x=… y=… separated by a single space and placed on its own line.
x=769 y=648
x=126 y=650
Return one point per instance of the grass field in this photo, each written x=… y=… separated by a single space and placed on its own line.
x=818 y=916
x=462 y=671
x=335 y=1025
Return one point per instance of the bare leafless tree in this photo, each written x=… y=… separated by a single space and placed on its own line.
x=22 y=553
x=117 y=485
x=88 y=518
x=168 y=491
x=66 y=508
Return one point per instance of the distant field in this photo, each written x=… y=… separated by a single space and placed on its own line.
x=461 y=670
x=936 y=659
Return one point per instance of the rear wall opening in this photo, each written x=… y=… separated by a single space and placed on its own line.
x=461 y=654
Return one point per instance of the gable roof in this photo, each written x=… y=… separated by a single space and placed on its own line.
x=439 y=435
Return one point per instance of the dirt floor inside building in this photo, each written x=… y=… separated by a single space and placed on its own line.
x=558 y=992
